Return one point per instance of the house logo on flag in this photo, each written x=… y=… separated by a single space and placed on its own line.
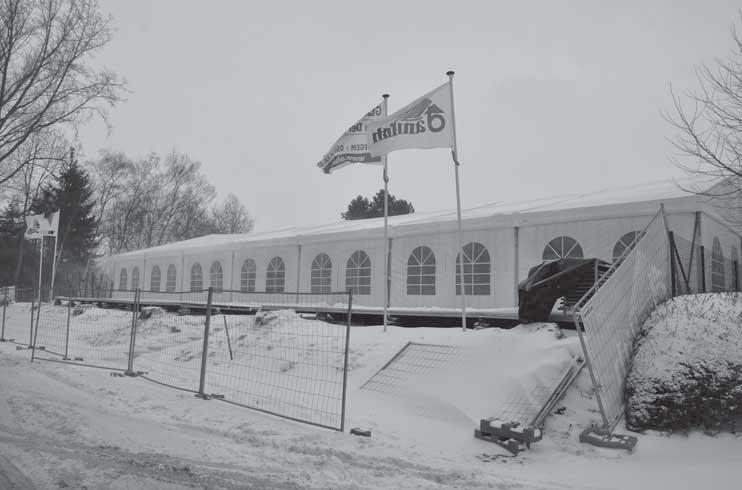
x=423 y=123
x=421 y=117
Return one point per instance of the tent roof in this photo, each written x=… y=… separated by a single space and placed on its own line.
x=662 y=190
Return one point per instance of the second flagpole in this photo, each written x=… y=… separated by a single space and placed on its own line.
x=387 y=278
x=455 y=155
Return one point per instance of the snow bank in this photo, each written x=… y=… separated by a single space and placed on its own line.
x=687 y=369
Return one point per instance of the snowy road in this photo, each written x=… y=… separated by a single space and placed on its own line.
x=64 y=426
x=70 y=427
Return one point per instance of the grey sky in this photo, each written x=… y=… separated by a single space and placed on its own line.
x=551 y=97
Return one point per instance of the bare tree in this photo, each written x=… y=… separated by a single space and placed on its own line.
x=152 y=201
x=45 y=78
x=709 y=124
x=231 y=216
x=40 y=158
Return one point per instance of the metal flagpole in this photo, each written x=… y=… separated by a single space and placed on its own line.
x=387 y=279
x=41 y=264
x=454 y=154
x=54 y=269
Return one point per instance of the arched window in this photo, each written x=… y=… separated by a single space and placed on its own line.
x=321 y=278
x=562 y=247
x=358 y=273
x=172 y=275
x=123 y=279
x=477 y=268
x=626 y=242
x=197 y=277
x=247 y=276
x=135 y=278
x=421 y=272
x=154 y=280
x=717 y=267
x=275 y=276
x=216 y=277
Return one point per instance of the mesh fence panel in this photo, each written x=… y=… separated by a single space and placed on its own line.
x=614 y=314
x=18 y=315
x=279 y=361
x=85 y=334
x=168 y=346
x=412 y=361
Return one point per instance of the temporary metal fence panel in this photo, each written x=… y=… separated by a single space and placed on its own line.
x=19 y=307
x=279 y=361
x=168 y=345
x=414 y=360
x=85 y=334
x=615 y=311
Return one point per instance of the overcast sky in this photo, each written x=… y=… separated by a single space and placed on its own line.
x=551 y=97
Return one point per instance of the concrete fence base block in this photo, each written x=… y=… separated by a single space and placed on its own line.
x=601 y=438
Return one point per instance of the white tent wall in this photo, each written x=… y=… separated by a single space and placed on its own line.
x=163 y=263
x=499 y=243
x=515 y=236
x=340 y=251
x=262 y=255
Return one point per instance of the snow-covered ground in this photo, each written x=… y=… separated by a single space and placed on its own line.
x=65 y=426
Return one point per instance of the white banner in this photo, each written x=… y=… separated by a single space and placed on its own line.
x=38 y=225
x=352 y=146
x=424 y=123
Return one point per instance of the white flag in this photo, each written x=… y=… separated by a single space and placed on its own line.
x=352 y=146
x=38 y=225
x=424 y=123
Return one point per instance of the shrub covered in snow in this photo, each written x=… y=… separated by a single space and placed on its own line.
x=687 y=368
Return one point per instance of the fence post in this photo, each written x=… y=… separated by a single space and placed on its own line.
x=673 y=277
x=67 y=334
x=132 y=339
x=345 y=360
x=5 y=306
x=735 y=269
x=702 y=265
x=205 y=351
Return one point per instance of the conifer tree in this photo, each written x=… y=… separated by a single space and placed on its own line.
x=71 y=194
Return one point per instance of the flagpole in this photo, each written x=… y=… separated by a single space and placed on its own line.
x=455 y=156
x=41 y=263
x=54 y=268
x=387 y=279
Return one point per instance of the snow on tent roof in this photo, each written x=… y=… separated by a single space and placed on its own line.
x=650 y=191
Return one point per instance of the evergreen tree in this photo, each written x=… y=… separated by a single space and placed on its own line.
x=362 y=208
x=71 y=194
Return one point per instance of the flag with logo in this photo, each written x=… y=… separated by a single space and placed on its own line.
x=352 y=146
x=39 y=225
x=424 y=123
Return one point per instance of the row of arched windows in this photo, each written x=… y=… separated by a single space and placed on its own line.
x=565 y=247
x=421 y=270
x=421 y=274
